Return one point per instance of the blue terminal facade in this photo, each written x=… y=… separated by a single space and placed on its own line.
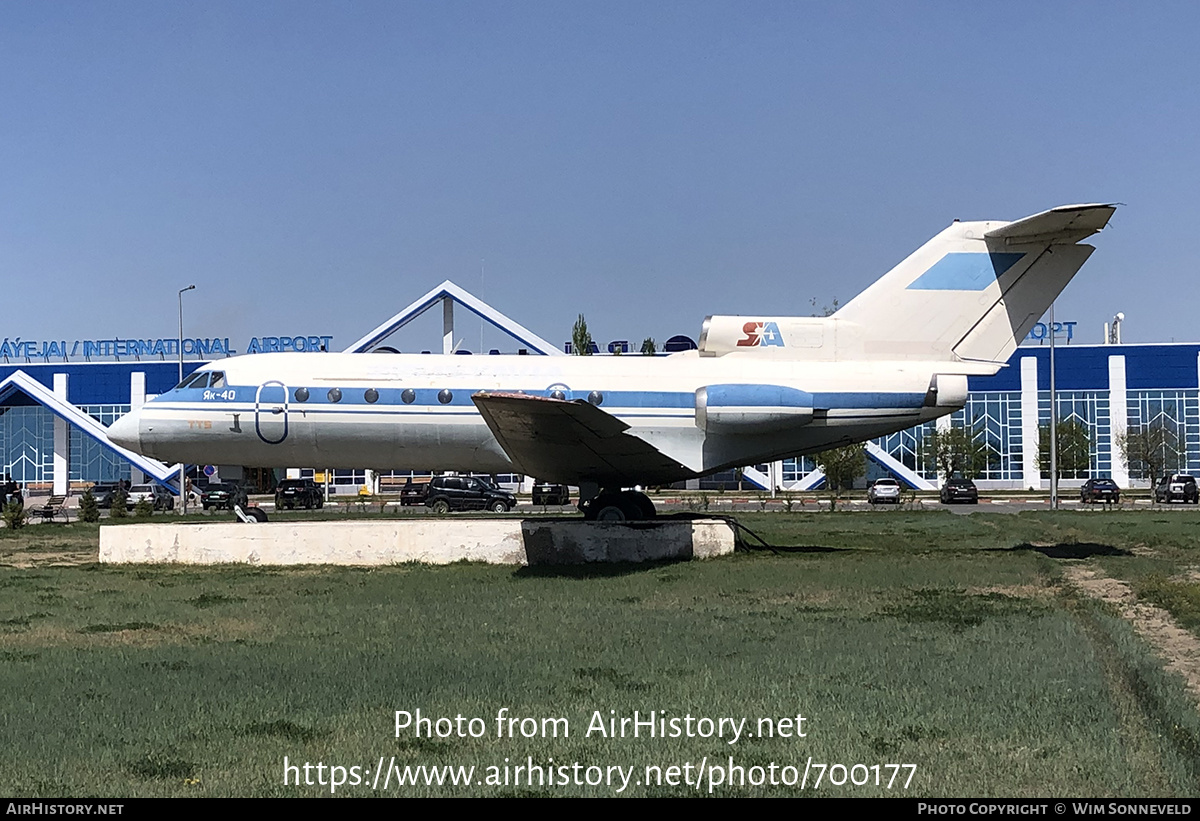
x=1103 y=387
x=41 y=438
x=53 y=413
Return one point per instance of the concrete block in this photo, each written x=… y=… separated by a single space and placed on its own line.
x=428 y=541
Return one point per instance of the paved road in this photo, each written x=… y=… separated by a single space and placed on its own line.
x=734 y=503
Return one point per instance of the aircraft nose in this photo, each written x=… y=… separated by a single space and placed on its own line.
x=126 y=431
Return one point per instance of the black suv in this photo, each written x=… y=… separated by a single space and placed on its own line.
x=298 y=493
x=546 y=493
x=1100 y=490
x=224 y=495
x=1176 y=487
x=447 y=493
x=959 y=490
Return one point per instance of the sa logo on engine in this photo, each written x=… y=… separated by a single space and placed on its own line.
x=761 y=334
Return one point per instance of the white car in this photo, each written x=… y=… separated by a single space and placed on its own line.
x=884 y=490
x=156 y=495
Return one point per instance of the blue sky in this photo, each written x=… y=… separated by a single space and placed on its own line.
x=314 y=167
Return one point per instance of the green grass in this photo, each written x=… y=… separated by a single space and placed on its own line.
x=944 y=641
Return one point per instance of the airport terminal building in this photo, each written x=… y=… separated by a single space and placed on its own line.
x=54 y=408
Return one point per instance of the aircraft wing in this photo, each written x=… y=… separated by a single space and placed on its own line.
x=573 y=442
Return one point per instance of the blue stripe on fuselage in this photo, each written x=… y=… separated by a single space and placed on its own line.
x=428 y=398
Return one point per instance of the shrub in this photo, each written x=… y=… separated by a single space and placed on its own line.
x=119 y=499
x=14 y=516
x=89 y=510
x=144 y=509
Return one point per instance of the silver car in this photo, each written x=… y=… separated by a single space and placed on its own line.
x=156 y=495
x=884 y=491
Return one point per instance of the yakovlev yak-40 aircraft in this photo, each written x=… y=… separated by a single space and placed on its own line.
x=758 y=389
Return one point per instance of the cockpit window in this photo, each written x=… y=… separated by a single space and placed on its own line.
x=218 y=379
x=196 y=380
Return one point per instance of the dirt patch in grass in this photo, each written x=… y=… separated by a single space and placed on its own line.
x=43 y=557
x=1177 y=646
x=136 y=634
x=807 y=598
x=1016 y=591
x=50 y=545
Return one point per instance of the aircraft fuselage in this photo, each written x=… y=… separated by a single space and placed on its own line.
x=388 y=411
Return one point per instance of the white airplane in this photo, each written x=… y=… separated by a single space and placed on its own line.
x=758 y=389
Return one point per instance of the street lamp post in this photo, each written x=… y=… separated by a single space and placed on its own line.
x=1053 y=422
x=182 y=478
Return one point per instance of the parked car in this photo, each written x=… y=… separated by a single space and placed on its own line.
x=157 y=495
x=224 y=495
x=298 y=493
x=545 y=493
x=1176 y=487
x=884 y=491
x=413 y=493
x=1100 y=490
x=959 y=490
x=447 y=493
x=103 y=494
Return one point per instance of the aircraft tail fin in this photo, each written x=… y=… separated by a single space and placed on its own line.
x=976 y=289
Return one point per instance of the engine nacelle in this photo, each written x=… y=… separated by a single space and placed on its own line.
x=751 y=408
x=947 y=390
x=782 y=335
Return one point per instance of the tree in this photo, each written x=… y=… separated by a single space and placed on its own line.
x=649 y=348
x=824 y=310
x=1074 y=451
x=957 y=450
x=89 y=510
x=119 y=498
x=842 y=466
x=581 y=340
x=1150 y=450
x=14 y=515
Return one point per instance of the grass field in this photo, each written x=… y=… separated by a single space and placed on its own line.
x=952 y=643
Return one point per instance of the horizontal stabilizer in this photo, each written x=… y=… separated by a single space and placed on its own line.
x=1065 y=224
x=572 y=442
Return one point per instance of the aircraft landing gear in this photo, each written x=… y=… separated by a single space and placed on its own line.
x=618 y=506
x=251 y=515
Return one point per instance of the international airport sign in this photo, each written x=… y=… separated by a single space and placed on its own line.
x=16 y=348
x=139 y=347
x=1041 y=331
